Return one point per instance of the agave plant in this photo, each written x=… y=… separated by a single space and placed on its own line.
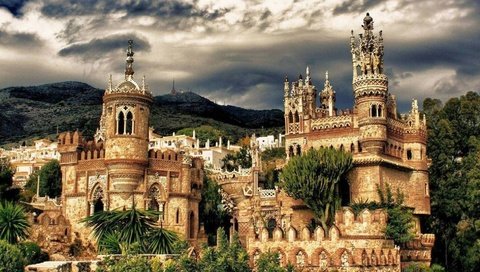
x=161 y=241
x=13 y=223
x=118 y=231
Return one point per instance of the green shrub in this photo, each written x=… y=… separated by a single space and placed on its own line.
x=32 y=253
x=11 y=259
x=130 y=263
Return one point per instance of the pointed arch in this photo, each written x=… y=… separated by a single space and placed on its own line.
x=129 y=123
x=121 y=123
x=192 y=225
x=290 y=117
x=373 y=112
x=297 y=117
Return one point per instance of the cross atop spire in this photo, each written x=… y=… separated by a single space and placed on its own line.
x=129 y=61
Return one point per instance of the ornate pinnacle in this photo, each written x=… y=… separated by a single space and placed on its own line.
x=129 y=61
x=367 y=22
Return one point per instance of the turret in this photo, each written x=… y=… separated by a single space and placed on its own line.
x=126 y=129
x=327 y=97
x=370 y=87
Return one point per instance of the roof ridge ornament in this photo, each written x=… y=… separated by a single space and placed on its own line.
x=129 y=61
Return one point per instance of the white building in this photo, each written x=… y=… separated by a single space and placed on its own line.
x=212 y=155
x=27 y=159
x=269 y=141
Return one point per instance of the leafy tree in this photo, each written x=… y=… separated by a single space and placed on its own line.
x=239 y=159
x=126 y=230
x=226 y=257
x=211 y=213
x=273 y=153
x=13 y=223
x=453 y=131
x=314 y=177
x=32 y=253
x=11 y=259
x=6 y=174
x=51 y=179
x=269 y=262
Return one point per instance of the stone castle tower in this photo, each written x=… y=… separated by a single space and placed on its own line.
x=118 y=171
x=388 y=148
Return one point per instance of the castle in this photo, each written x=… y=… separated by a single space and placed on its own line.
x=118 y=170
x=386 y=149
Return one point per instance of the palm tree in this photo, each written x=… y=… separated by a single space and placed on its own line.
x=118 y=230
x=13 y=223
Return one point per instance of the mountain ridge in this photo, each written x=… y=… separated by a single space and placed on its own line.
x=37 y=111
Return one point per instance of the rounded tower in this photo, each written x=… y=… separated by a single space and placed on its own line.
x=370 y=88
x=127 y=110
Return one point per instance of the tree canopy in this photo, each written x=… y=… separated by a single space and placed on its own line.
x=314 y=178
x=454 y=147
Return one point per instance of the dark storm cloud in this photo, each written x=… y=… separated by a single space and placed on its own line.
x=441 y=53
x=165 y=9
x=19 y=40
x=255 y=70
x=99 y=48
x=14 y=6
x=350 y=6
x=70 y=32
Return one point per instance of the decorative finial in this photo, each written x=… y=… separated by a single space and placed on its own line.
x=367 y=22
x=144 y=86
x=308 y=71
x=326 y=75
x=286 y=78
x=110 y=84
x=129 y=61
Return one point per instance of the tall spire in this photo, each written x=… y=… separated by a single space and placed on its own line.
x=173 y=91
x=129 y=61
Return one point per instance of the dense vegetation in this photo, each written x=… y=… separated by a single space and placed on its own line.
x=130 y=231
x=225 y=257
x=314 y=177
x=454 y=147
x=235 y=161
x=50 y=181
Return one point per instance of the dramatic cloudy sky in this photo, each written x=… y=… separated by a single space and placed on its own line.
x=238 y=52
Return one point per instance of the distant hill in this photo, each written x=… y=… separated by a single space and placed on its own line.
x=37 y=111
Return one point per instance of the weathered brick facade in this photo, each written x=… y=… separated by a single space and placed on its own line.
x=386 y=148
x=118 y=171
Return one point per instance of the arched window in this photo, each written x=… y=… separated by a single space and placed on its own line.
x=271 y=225
x=409 y=154
x=192 y=225
x=290 y=151
x=323 y=260
x=153 y=204
x=121 y=123
x=177 y=216
x=297 y=118
x=352 y=148
x=300 y=258
x=374 y=111
x=290 y=117
x=299 y=150
x=129 y=123
x=342 y=148
x=97 y=197
x=379 y=111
